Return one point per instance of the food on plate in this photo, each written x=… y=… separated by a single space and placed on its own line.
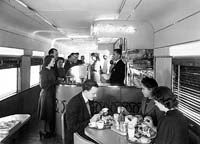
x=144 y=129
x=103 y=112
x=104 y=121
x=148 y=120
x=145 y=140
x=139 y=118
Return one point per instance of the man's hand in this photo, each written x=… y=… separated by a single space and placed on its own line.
x=95 y=118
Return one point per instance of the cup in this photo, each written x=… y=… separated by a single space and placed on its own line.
x=116 y=116
x=131 y=131
x=100 y=124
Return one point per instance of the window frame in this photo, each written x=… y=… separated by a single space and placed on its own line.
x=184 y=62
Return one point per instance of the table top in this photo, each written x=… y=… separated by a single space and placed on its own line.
x=22 y=118
x=106 y=136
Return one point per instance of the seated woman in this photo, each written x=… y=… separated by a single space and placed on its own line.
x=172 y=128
x=148 y=107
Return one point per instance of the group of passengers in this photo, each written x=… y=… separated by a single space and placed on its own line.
x=50 y=75
x=159 y=103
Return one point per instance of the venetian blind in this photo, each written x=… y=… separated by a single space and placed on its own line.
x=186 y=85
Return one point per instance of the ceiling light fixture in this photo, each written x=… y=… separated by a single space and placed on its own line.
x=107 y=17
x=22 y=3
x=106 y=40
x=109 y=28
x=112 y=28
x=78 y=36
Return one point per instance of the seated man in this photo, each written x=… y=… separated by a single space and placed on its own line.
x=78 y=113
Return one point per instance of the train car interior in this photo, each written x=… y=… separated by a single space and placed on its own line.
x=165 y=33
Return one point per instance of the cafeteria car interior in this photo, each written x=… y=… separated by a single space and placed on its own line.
x=153 y=39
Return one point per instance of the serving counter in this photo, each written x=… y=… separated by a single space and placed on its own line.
x=107 y=96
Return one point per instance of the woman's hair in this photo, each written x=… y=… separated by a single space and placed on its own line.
x=47 y=60
x=165 y=96
x=150 y=83
x=88 y=84
x=60 y=58
x=95 y=55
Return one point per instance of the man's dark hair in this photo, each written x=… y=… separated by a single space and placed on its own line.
x=51 y=51
x=88 y=84
x=118 y=51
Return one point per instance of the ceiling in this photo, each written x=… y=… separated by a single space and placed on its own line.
x=75 y=17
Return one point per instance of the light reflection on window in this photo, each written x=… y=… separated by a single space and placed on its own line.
x=35 y=75
x=8 y=82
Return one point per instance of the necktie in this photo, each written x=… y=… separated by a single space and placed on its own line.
x=88 y=107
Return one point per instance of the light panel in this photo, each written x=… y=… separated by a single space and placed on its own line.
x=11 y=51
x=190 y=49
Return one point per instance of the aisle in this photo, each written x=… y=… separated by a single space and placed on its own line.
x=31 y=136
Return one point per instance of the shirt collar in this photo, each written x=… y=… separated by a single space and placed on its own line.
x=117 y=61
x=85 y=99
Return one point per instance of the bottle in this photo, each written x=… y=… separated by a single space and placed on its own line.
x=121 y=114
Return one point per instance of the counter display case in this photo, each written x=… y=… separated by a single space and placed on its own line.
x=139 y=65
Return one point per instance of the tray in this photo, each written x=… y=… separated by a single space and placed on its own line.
x=118 y=131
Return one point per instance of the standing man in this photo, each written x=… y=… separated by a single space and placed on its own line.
x=78 y=113
x=118 y=71
x=53 y=52
x=69 y=63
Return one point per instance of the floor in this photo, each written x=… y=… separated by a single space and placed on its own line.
x=31 y=136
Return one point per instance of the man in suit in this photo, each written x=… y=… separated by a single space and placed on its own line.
x=118 y=71
x=78 y=112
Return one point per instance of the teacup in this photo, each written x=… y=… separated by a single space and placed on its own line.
x=100 y=124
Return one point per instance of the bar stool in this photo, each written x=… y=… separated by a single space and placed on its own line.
x=80 y=140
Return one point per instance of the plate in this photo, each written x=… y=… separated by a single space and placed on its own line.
x=137 y=141
x=106 y=126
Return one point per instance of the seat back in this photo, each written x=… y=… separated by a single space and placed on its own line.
x=80 y=140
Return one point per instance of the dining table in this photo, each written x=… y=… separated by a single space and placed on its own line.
x=106 y=136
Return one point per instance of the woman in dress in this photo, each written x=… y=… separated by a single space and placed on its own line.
x=172 y=127
x=46 y=103
x=148 y=107
x=95 y=68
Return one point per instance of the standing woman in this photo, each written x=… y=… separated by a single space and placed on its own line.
x=148 y=107
x=46 y=104
x=95 y=67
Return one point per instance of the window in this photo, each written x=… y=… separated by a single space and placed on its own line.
x=36 y=63
x=8 y=83
x=186 y=85
x=35 y=75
